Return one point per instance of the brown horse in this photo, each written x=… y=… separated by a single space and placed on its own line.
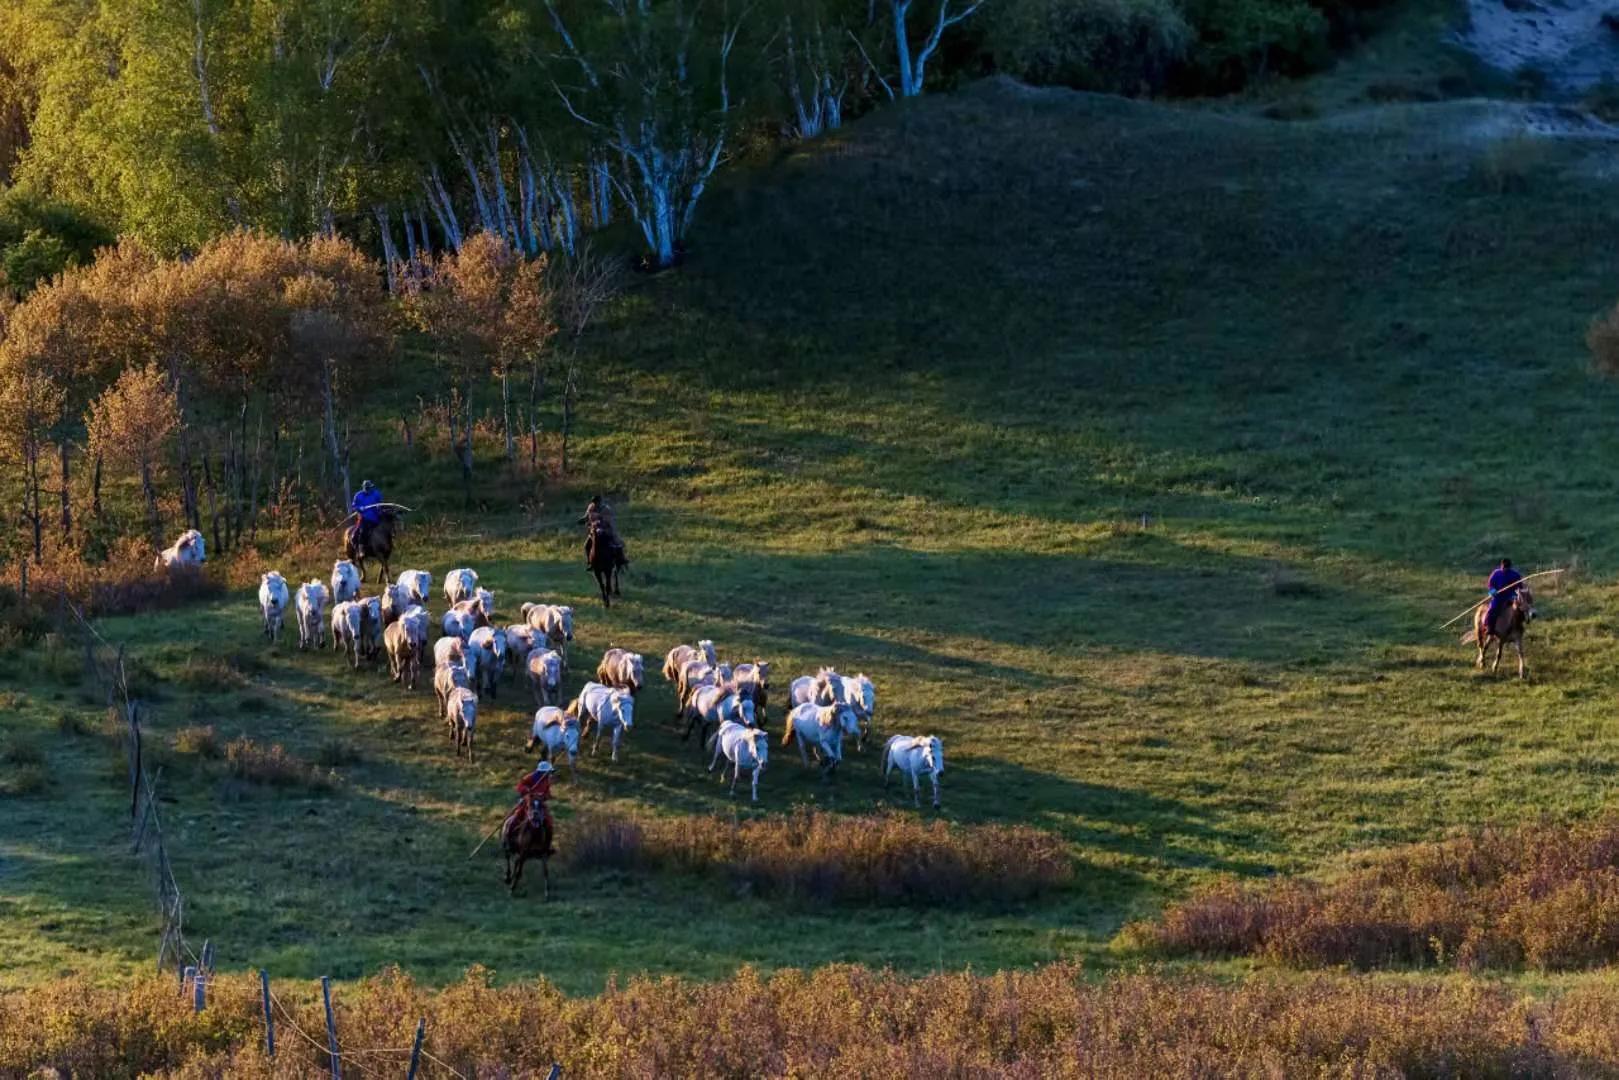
x=527 y=841
x=378 y=545
x=607 y=562
x=1510 y=622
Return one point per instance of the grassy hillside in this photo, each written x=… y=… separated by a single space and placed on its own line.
x=1137 y=452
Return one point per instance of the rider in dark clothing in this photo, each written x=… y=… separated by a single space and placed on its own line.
x=600 y=519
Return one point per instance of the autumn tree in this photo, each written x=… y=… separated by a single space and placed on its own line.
x=131 y=425
x=485 y=308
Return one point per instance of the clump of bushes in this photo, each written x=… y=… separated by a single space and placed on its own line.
x=22 y=767
x=1602 y=338
x=835 y=1021
x=199 y=741
x=1543 y=896
x=335 y=753
x=121 y=583
x=272 y=765
x=876 y=858
x=1118 y=46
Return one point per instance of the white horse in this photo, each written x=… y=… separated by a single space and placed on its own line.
x=545 y=676
x=346 y=626
x=697 y=674
x=715 y=706
x=462 y=619
x=273 y=603
x=555 y=622
x=490 y=645
x=821 y=728
x=460 y=585
x=860 y=694
x=447 y=679
x=345 y=581
x=744 y=748
x=453 y=650
x=621 y=668
x=608 y=708
x=752 y=681
x=915 y=754
x=461 y=713
x=416 y=583
x=519 y=643
x=558 y=732
x=681 y=655
x=815 y=688
x=310 y=606
x=189 y=550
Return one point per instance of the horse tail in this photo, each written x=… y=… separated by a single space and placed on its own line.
x=573 y=708
x=1470 y=637
x=788 y=737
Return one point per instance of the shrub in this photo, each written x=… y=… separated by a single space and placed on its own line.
x=17 y=750
x=124 y=583
x=200 y=741
x=272 y=765
x=881 y=858
x=1545 y=896
x=18 y=780
x=1292 y=108
x=209 y=672
x=834 y=1021
x=1121 y=46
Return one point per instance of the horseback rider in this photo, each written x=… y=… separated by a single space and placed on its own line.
x=600 y=518
x=367 y=506
x=1502 y=584
x=535 y=789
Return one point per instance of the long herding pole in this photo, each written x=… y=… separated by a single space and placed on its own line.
x=1486 y=600
x=488 y=838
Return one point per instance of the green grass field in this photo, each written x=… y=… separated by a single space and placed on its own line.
x=1137 y=452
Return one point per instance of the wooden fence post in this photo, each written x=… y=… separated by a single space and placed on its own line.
x=556 y=1071
x=331 y=1027
x=188 y=976
x=269 y=1020
x=416 y=1048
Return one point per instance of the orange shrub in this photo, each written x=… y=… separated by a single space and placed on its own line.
x=882 y=858
x=1546 y=896
x=835 y=1021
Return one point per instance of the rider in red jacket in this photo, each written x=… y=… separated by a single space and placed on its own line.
x=535 y=789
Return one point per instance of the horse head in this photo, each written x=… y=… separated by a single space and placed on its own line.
x=622 y=707
x=706 y=647
x=744 y=710
x=933 y=754
x=762 y=668
x=1524 y=603
x=848 y=722
x=759 y=744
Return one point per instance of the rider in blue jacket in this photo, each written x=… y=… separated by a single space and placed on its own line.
x=1502 y=578
x=367 y=505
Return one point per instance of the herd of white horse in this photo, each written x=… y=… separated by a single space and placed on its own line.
x=724 y=704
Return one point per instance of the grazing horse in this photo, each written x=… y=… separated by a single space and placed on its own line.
x=744 y=748
x=607 y=562
x=915 y=754
x=1510 y=623
x=823 y=728
x=529 y=840
x=378 y=544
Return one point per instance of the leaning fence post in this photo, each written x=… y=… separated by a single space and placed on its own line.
x=199 y=992
x=331 y=1027
x=416 y=1048
x=556 y=1071
x=187 y=977
x=269 y=1020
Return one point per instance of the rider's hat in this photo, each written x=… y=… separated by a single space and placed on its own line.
x=545 y=767
x=366 y=484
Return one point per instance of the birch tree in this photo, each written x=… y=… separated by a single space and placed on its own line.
x=131 y=425
x=914 y=53
x=652 y=82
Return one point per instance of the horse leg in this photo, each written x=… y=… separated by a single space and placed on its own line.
x=507 y=879
x=803 y=753
x=935 y=791
x=756 y=781
x=1500 y=647
x=916 y=791
x=618 y=729
x=716 y=760
x=736 y=774
x=1518 y=644
x=522 y=857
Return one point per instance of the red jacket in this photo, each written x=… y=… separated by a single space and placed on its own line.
x=536 y=785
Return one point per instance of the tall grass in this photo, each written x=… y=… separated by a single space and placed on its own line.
x=835 y=1021
x=875 y=858
x=1542 y=896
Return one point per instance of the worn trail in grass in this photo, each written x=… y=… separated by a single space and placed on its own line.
x=1138 y=453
